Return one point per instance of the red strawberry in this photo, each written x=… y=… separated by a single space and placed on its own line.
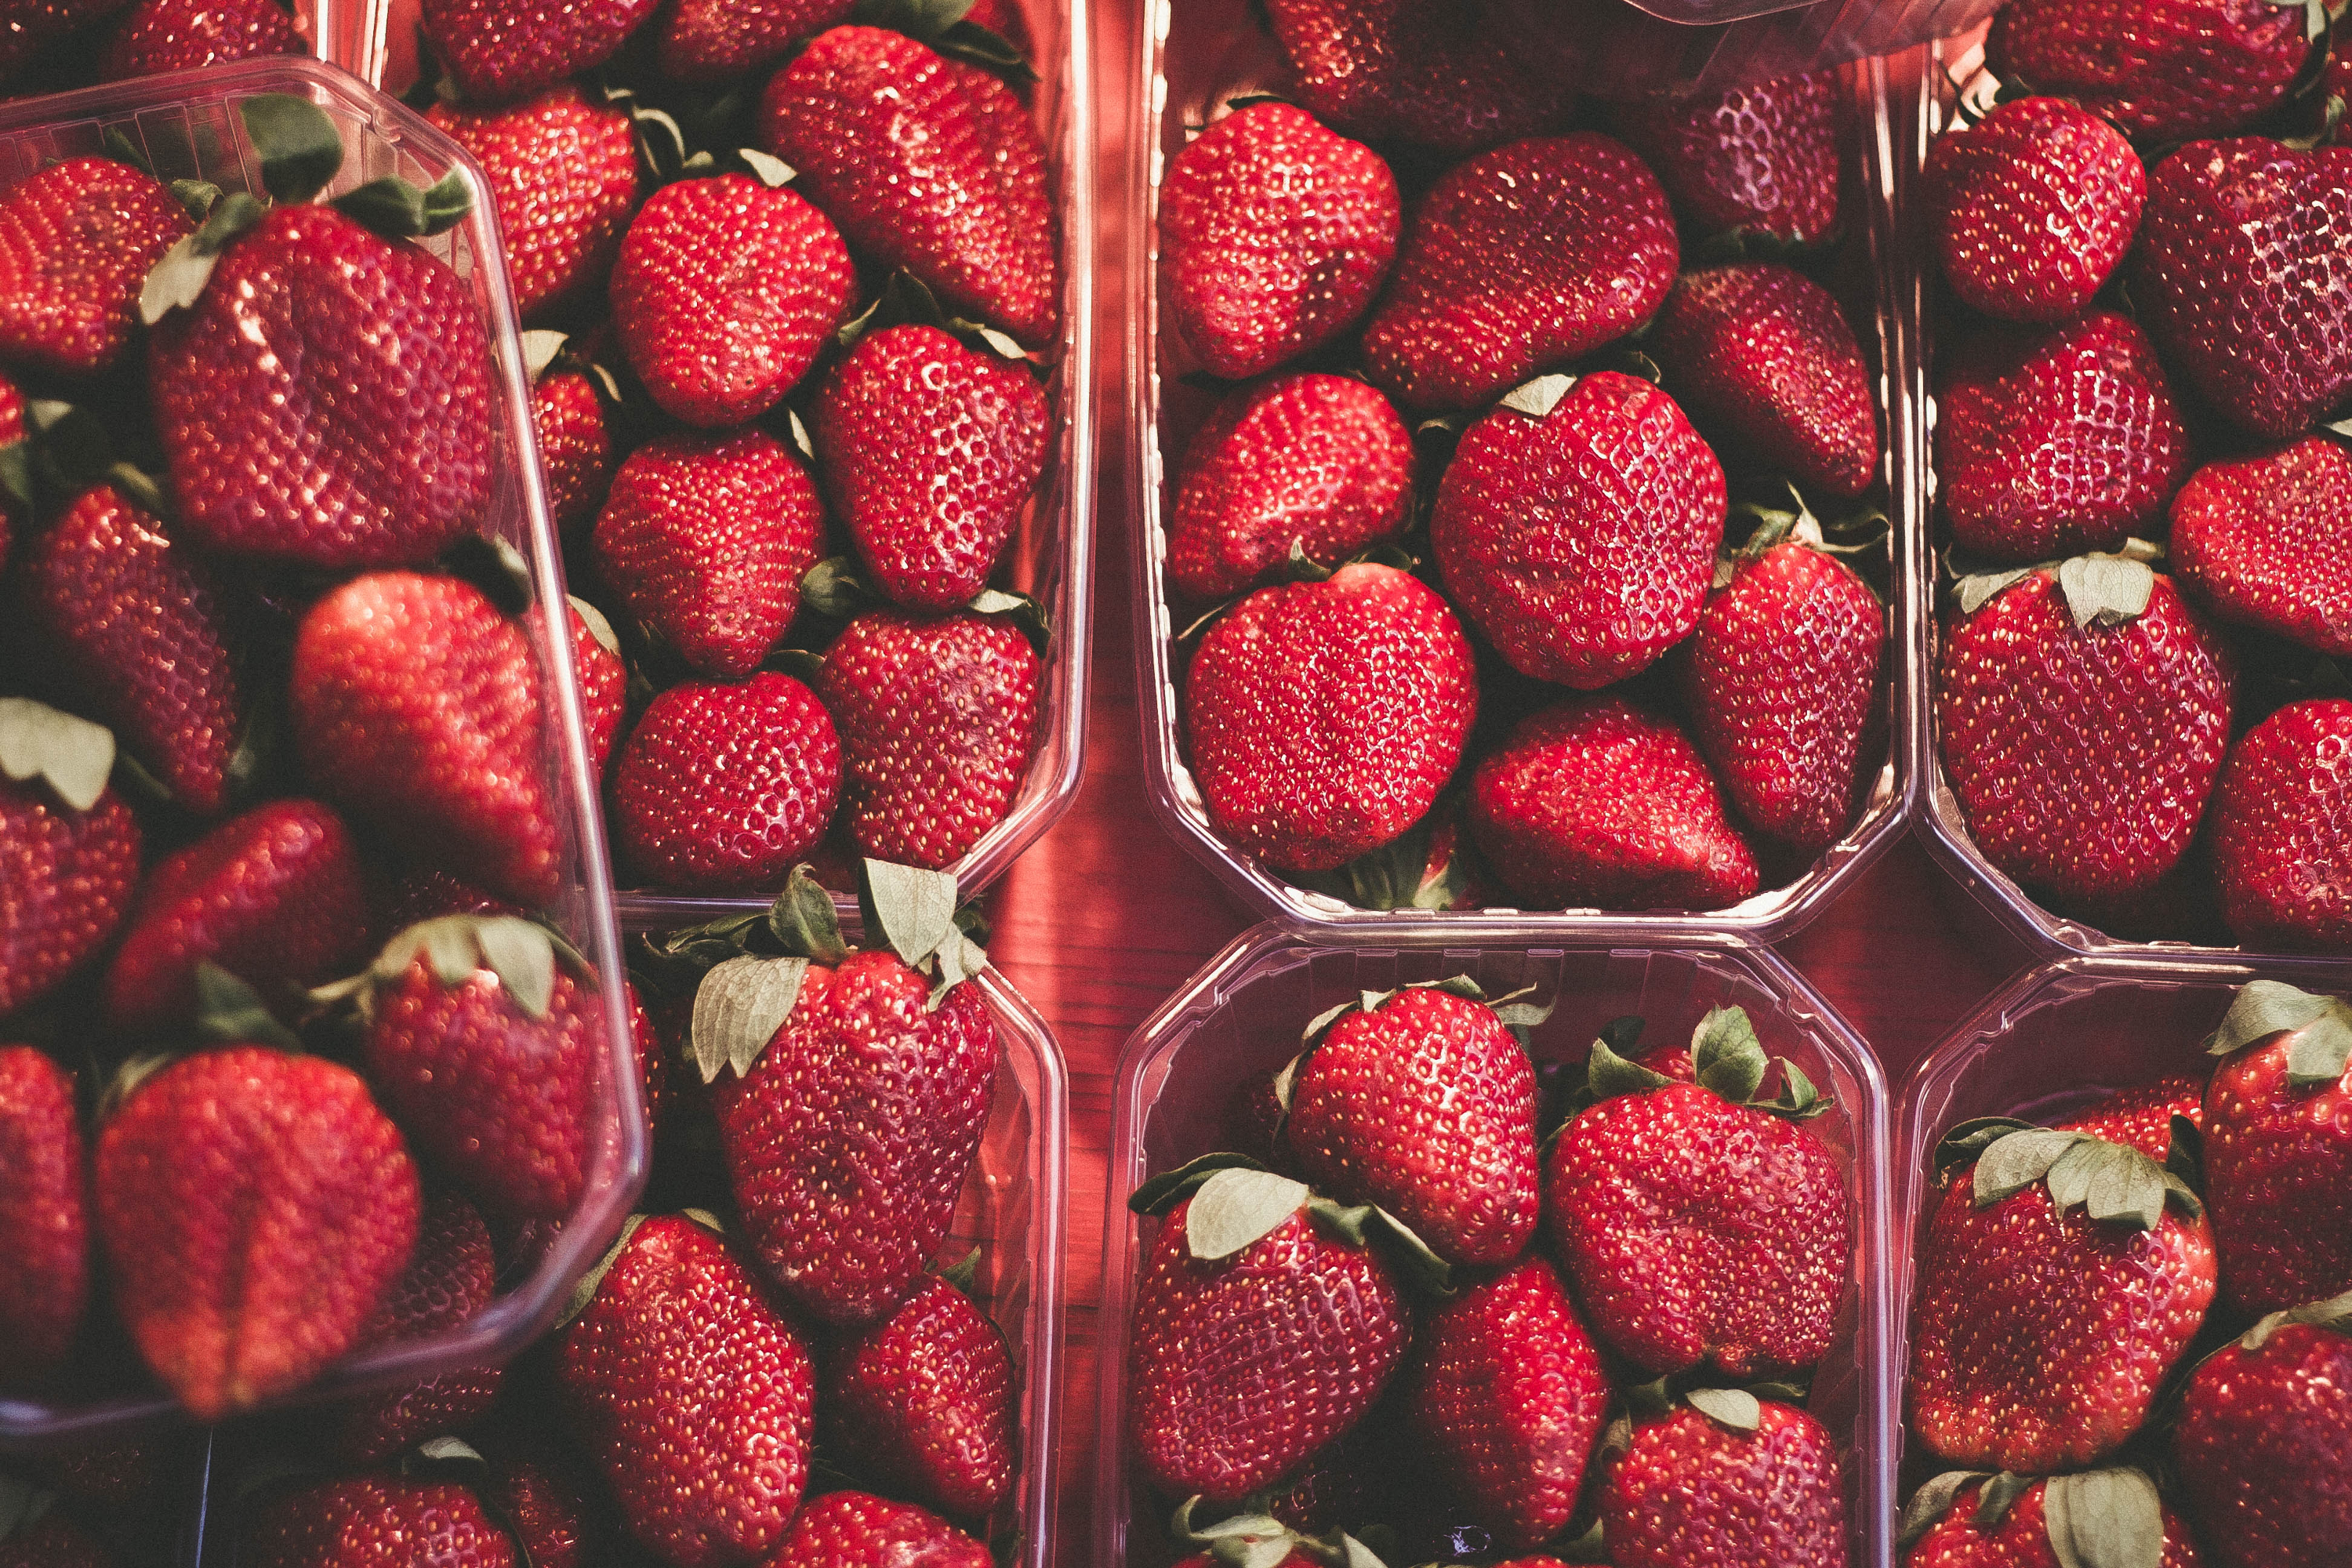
x=2141 y=1117
x=1507 y=1391
x=44 y=1219
x=604 y=680
x=1318 y=463
x=53 y=1539
x=719 y=789
x=724 y=291
x=1276 y=234
x=929 y=166
x=275 y=392
x=1692 y=1491
x=1760 y=159
x=1519 y=261
x=1447 y=76
x=857 y=1530
x=12 y=430
x=2265 y=1442
x=1323 y=718
x=1425 y=1105
x=66 y=877
x=544 y=1494
x=2052 y=442
x=276 y=897
x=77 y=241
x=375 y=1522
x=2281 y=837
x=1593 y=802
x=416 y=707
x=449 y=1278
x=2083 y=748
x=420 y=895
x=139 y=624
x=2266 y=542
x=938 y=719
x=497 y=50
x=717 y=40
x=255 y=1207
x=924 y=1400
x=1582 y=542
x=693 y=1394
x=929 y=451
x=1999 y=1527
x=1763 y=352
x=2033 y=208
x=2245 y=279
x=2160 y=69
x=1781 y=682
x=575 y=446
x=159 y=36
x=563 y=172
x=2278 y=1150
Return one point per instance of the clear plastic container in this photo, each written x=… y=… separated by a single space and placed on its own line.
x=187 y=126
x=1241 y=1017
x=1194 y=50
x=1623 y=48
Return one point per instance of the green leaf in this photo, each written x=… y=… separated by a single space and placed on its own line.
x=968 y=40
x=738 y=1009
x=961 y=959
x=801 y=441
x=1730 y=1061
x=1423 y=1269
x=914 y=908
x=17 y=473
x=2334 y=1314
x=2105 y=590
x=1165 y=1191
x=299 y=146
x=1972 y=593
x=2104 y=1519
x=1931 y=1502
x=196 y=196
x=1733 y=1407
x=1608 y=1074
x=1005 y=345
x=519 y=953
x=586 y=1291
x=2017 y=1159
x=766 y=167
x=964 y=1273
x=176 y=281
x=448 y=201
x=1592 y=1546
x=1285 y=1082
x=230 y=1011
x=122 y=149
x=139 y=488
x=1538 y=398
x=2185 y=1155
x=1969 y=1139
x=833 y=587
x=390 y=206
x=2262 y=1008
x=1322 y=1021
x=1798 y=1100
x=1998 y=1496
x=1235 y=1209
x=2316 y=1056
x=73 y=755
x=1518 y=1015
x=1302 y=567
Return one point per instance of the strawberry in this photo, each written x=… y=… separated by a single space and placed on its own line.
x=717 y=40
x=2278 y=1148
x=1424 y=1103
x=12 y=430
x=449 y=1280
x=2083 y=734
x=276 y=897
x=2264 y=1441
x=141 y=630
x=254 y=1206
x=2279 y=843
x=1592 y=802
x=563 y=173
x=2141 y=1117
x=719 y=789
x=2243 y=279
x=544 y=1492
x=694 y=1397
x=375 y=1522
x=938 y=719
x=2048 y=443
x=575 y=446
x=44 y=1218
x=929 y=166
x=2160 y=69
x=1322 y=719
x=1698 y=1490
x=604 y=680
x=1446 y=75
x=1317 y=464
x=1552 y=248
x=723 y=293
x=2032 y=208
x=76 y=240
x=1276 y=234
x=497 y=50
x=707 y=535
x=68 y=851
x=2015 y=1524
x=422 y=894
x=159 y=36
x=1763 y=352
x=1581 y=541
x=859 y=1529
x=923 y=1401
x=1507 y=1389
x=1759 y=158
x=2266 y=542
x=929 y=452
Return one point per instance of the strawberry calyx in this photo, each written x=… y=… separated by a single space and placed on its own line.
x=1237 y=1203
x=64 y=452
x=944 y=26
x=1862 y=530
x=907 y=300
x=452 y=1458
x=2101 y=588
x=2334 y=1315
x=521 y=953
x=1255 y=1540
x=546 y=353
x=1730 y=1061
x=2114 y=1183
x=2111 y=1518
x=70 y=755
x=1405 y=873
x=2321 y=1027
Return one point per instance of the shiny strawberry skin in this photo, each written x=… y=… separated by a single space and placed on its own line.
x=2032 y=209
x=1553 y=247
x=2283 y=831
x=44 y=1217
x=719 y=789
x=450 y=1277
x=928 y=166
x=544 y=1490
x=2265 y=1449
x=924 y=1401
x=723 y=293
x=2278 y=1179
x=1322 y=719
x=603 y=691
x=1276 y=234
x=2160 y=69
x=938 y=720
x=12 y=428
x=1762 y=158
x=276 y=897
x=1446 y=75
x=66 y=880
x=141 y=626
x=576 y=446
x=929 y=451
x=1238 y=1370
x=1692 y=1494
x=497 y=50
x=254 y=1206
x=717 y=40
x=375 y=1522
x=159 y=36
x=859 y=1529
x=1321 y=463
x=2266 y=542
x=2022 y=1541
x=2141 y=1116
x=76 y=240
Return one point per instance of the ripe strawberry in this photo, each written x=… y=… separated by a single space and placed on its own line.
x=2052 y=442
x=938 y=719
x=1318 y=464
x=254 y=1206
x=857 y=1530
x=604 y=680
x=923 y=1401
x=422 y=894
x=2084 y=751
x=2266 y=542
x=2160 y=69
x=1763 y=352
x=2278 y=1147
x=693 y=1394
x=1592 y=802
x=2141 y=1117
x=44 y=1219
x=563 y=172
x=276 y=897
x=575 y=446
x=159 y=36
x=1507 y=1391
x=719 y=789
x=724 y=291
x=2243 y=279
x=450 y=1277
x=66 y=877
x=2265 y=1442
x=497 y=50
x=1760 y=159
x=1323 y=718
x=12 y=430
x=717 y=40
x=1276 y=234
x=1582 y=542
x=1446 y=75
x=139 y=624
x=1553 y=247
x=1692 y=1492
x=929 y=166
x=2032 y=208
x=2279 y=844
x=2023 y=1533
x=375 y=1522
x=543 y=1490
x=77 y=241
x=929 y=452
